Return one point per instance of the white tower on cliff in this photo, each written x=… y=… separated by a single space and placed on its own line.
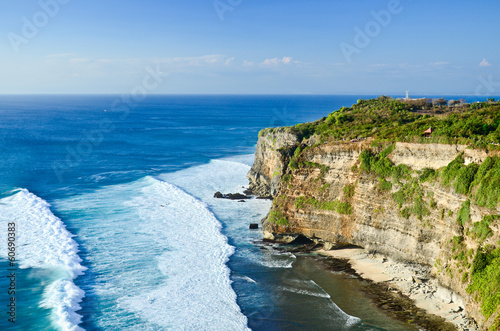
x=407 y=97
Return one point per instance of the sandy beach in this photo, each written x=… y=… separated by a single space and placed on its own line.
x=412 y=280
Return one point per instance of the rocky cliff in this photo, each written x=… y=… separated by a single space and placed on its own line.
x=329 y=193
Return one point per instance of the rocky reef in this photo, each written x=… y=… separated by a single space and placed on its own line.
x=404 y=200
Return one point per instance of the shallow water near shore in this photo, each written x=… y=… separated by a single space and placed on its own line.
x=347 y=293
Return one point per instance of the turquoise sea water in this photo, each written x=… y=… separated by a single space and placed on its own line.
x=116 y=227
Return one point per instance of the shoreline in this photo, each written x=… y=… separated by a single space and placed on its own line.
x=409 y=280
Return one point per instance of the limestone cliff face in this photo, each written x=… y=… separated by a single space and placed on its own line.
x=272 y=151
x=435 y=156
x=374 y=221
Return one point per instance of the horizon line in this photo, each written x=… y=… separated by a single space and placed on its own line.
x=248 y=94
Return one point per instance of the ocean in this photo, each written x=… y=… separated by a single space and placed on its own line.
x=109 y=206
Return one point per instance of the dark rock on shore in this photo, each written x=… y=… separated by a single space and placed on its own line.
x=231 y=196
x=268 y=197
x=301 y=240
x=248 y=192
x=253 y=226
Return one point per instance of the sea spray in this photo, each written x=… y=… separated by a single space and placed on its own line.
x=44 y=243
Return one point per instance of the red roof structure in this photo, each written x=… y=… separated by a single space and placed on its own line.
x=428 y=132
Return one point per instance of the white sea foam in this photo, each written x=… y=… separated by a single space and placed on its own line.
x=158 y=258
x=270 y=261
x=306 y=292
x=197 y=293
x=42 y=241
x=245 y=278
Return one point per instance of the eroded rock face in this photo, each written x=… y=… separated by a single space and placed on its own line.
x=435 y=156
x=375 y=221
x=272 y=149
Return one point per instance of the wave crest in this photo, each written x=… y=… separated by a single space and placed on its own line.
x=43 y=242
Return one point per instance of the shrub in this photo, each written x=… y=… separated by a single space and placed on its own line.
x=366 y=160
x=293 y=164
x=299 y=203
x=335 y=205
x=387 y=151
x=464 y=213
x=324 y=187
x=419 y=208
x=344 y=208
x=384 y=185
x=405 y=212
x=488 y=178
x=481 y=230
x=382 y=167
x=377 y=164
x=484 y=168
x=427 y=174
x=407 y=193
x=451 y=171
x=297 y=152
x=465 y=277
x=485 y=279
x=349 y=191
x=465 y=177
x=433 y=204
x=276 y=217
x=400 y=172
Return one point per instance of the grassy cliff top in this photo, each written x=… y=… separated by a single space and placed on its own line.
x=388 y=119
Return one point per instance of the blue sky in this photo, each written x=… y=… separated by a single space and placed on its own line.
x=250 y=46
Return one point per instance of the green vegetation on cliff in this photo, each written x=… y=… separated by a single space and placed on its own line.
x=480 y=182
x=388 y=119
x=485 y=280
x=343 y=208
x=276 y=217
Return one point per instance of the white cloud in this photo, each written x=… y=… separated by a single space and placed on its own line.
x=275 y=61
x=248 y=63
x=271 y=62
x=228 y=61
x=484 y=63
x=441 y=63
